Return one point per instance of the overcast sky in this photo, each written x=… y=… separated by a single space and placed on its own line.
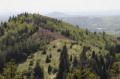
x=46 y=6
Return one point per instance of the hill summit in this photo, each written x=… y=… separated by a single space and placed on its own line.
x=33 y=46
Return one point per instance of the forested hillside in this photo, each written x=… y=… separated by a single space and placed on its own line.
x=33 y=46
x=109 y=24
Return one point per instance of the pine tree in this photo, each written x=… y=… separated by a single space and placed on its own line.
x=93 y=54
x=38 y=72
x=101 y=61
x=44 y=52
x=64 y=64
x=50 y=55
x=87 y=32
x=47 y=59
x=95 y=33
x=83 y=59
x=5 y=25
x=75 y=61
x=104 y=35
x=49 y=69
x=104 y=73
x=71 y=58
x=10 y=72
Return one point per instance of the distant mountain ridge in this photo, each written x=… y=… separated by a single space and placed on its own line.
x=57 y=14
x=84 y=13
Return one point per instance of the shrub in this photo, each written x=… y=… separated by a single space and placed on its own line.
x=55 y=70
x=54 y=46
x=31 y=63
x=47 y=59
x=50 y=55
x=59 y=50
x=44 y=52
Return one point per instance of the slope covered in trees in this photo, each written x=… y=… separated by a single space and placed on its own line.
x=110 y=24
x=94 y=55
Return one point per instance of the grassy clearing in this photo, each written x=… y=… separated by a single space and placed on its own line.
x=52 y=48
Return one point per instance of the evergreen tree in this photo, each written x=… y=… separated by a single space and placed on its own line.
x=75 y=61
x=83 y=59
x=104 y=73
x=101 y=61
x=104 y=35
x=47 y=59
x=87 y=32
x=95 y=33
x=64 y=64
x=49 y=69
x=38 y=72
x=5 y=25
x=71 y=58
x=10 y=72
x=93 y=54
x=50 y=55
x=44 y=52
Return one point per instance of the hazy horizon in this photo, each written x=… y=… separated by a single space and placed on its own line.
x=64 y=6
x=98 y=12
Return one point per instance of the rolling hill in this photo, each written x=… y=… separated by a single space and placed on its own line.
x=109 y=24
x=47 y=48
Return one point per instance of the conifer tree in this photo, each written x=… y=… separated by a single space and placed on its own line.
x=49 y=69
x=50 y=55
x=83 y=58
x=38 y=72
x=71 y=58
x=93 y=54
x=44 y=52
x=10 y=72
x=47 y=59
x=5 y=25
x=64 y=64
x=87 y=32
x=75 y=61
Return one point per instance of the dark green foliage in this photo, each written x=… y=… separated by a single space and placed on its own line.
x=31 y=56
x=93 y=54
x=49 y=69
x=55 y=70
x=95 y=33
x=104 y=35
x=5 y=24
x=83 y=59
x=18 y=42
x=59 y=50
x=47 y=59
x=71 y=58
x=44 y=52
x=50 y=56
x=75 y=62
x=84 y=74
x=86 y=48
x=38 y=72
x=19 y=39
x=64 y=64
x=10 y=71
x=104 y=74
x=31 y=63
x=54 y=46
x=101 y=61
x=71 y=46
x=87 y=32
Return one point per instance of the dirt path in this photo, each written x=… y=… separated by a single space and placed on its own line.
x=53 y=34
x=59 y=36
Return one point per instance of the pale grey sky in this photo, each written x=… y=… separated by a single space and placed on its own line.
x=44 y=6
